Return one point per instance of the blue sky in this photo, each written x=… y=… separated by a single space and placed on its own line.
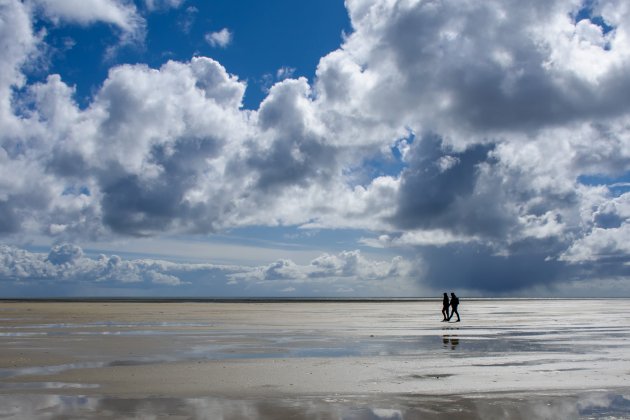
x=326 y=148
x=266 y=37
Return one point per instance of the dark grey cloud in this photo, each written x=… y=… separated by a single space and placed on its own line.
x=68 y=163
x=607 y=220
x=492 y=65
x=437 y=190
x=9 y=221
x=138 y=206
x=296 y=154
x=477 y=268
x=297 y=161
x=64 y=254
x=134 y=207
x=22 y=196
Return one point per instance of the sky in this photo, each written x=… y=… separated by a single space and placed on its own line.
x=366 y=148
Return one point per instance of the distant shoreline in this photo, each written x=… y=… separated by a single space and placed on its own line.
x=284 y=300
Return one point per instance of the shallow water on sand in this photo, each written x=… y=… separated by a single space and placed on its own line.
x=529 y=359
x=594 y=405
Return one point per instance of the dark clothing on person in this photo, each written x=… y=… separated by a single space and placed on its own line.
x=445 y=307
x=454 y=304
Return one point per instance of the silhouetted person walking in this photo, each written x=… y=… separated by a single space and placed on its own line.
x=445 y=307
x=454 y=304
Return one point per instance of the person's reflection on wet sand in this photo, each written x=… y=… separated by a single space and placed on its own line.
x=454 y=342
x=450 y=340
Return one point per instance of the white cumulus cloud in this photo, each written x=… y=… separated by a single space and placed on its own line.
x=454 y=128
x=119 y=13
x=221 y=38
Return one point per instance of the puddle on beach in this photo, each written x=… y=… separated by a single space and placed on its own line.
x=44 y=385
x=219 y=345
x=201 y=340
x=381 y=407
x=44 y=370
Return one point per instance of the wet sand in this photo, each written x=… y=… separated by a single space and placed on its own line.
x=315 y=360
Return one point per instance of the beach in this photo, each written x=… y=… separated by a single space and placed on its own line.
x=386 y=359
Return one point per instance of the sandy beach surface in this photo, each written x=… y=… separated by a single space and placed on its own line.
x=525 y=359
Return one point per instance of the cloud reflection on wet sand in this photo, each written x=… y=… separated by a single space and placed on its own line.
x=589 y=405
